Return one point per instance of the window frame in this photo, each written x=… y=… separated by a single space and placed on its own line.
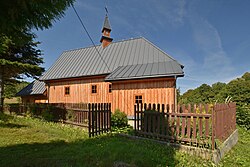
x=67 y=91
x=110 y=88
x=94 y=87
x=136 y=99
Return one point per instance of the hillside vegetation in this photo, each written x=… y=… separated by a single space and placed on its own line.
x=12 y=89
x=237 y=90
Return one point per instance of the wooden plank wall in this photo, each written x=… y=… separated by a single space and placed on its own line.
x=34 y=99
x=123 y=93
x=80 y=91
x=152 y=91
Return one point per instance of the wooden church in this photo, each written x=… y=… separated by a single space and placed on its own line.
x=121 y=73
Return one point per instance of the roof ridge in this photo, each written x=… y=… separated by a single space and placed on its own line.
x=122 y=40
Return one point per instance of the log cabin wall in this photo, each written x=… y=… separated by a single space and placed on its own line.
x=152 y=91
x=80 y=91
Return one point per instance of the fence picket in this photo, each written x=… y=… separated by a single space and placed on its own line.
x=90 y=119
x=177 y=127
x=183 y=121
x=163 y=120
x=188 y=121
x=80 y=114
x=207 y=121
x=185 y=124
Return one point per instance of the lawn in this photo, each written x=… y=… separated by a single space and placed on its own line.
x=33 y=142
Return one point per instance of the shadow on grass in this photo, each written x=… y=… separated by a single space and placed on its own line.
x=4 y=122
x=5 y=117
x=100 y=151
x=12 y=125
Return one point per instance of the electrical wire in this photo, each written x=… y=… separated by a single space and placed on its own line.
x=93 y=41
x=84 y=27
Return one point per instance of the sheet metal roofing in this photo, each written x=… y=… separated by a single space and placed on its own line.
x=87 y=61
x=106 y=23
x=34 y=88
x=160 y=69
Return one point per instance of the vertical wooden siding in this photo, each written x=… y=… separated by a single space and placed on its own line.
x=152 y=91
x=122 y=96
x=34 y=99
x=80 y=91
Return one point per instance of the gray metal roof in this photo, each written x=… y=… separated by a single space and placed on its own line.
x=87 y=61
x=34 y=88
x=106 y=23
x=160 y=69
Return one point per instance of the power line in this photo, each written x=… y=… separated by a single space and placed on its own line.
x=92 y=40
x=90 y=37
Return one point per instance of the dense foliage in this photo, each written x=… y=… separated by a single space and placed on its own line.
x=119 y=119
x=30 y=14
x=12 y=89
x=237 y=90
x=19 y=55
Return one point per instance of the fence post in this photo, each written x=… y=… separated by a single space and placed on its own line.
x=135 y=117
x=213 y=127
x=89 y=115
x=98 y=117
x=109 y=111
x=105 y=121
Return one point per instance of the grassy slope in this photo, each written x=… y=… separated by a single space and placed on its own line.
x=240 y=154
x=29 y=142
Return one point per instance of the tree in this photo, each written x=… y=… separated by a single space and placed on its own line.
x=28 y=14
x=19 y=55
x=11 y=89
x=218 y=90
x=246 y=76
x=238 y=90
x=19 y=61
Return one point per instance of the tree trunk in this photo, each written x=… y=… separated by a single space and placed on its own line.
x=1 y=88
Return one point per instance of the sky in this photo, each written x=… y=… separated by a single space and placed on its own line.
x=211 y=38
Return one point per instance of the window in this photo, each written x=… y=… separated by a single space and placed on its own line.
x=138 y=99
x=110 y=88
x=94 y=89
x=66 y=90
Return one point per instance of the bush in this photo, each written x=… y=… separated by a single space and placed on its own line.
x=47 y=115
x=70 y=116
x=34 y=110
x=243 y=116
x=119 y=119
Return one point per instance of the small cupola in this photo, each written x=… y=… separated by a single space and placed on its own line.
x=106 y=29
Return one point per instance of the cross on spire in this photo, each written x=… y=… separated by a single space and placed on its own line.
x=106 y=9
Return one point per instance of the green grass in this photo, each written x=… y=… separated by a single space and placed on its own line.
x=33 y=142
x=240 y=154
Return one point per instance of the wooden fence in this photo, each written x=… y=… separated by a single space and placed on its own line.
x=99 y=118
x=187 y=124
x=96 y=116
x=225 y=120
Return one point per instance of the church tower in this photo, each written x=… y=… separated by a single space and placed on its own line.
x=106 y=29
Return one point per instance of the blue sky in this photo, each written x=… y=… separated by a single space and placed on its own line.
x=210 y=38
